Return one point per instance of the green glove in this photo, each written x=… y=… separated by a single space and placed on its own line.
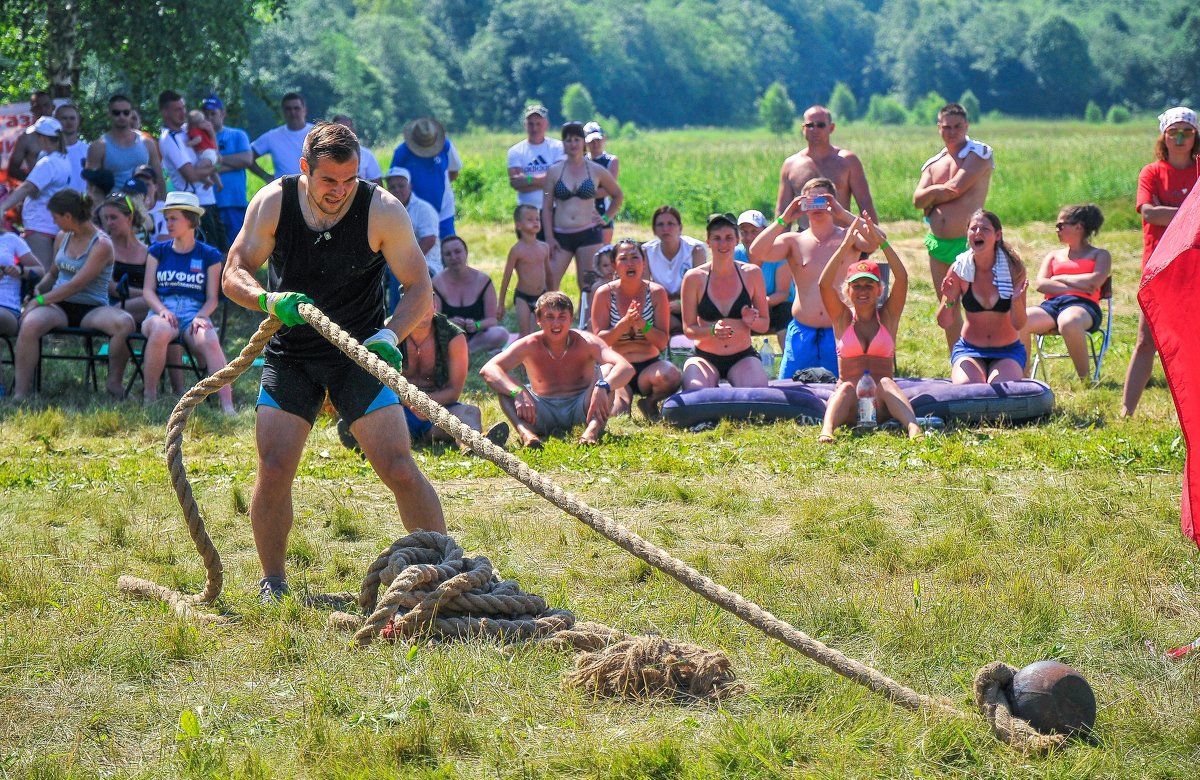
x=384 y=344
x=283 y=306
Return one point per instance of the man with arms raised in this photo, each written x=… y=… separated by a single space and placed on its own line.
x=810 y=341
x=328 y=237
x=954 y=184
x=123 y=149
x=821 y=159
x=564 y=389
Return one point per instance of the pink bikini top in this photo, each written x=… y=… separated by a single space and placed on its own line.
x=883 y=345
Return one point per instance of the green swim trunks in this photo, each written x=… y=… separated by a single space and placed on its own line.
x=944 y=250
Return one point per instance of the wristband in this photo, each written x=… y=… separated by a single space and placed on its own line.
x=884 y=245
x=649 y=327
x=476 y=325
x=515 y=393
x=780 y=221
x=262 y=301
x=528 y=179
x=41 y=299
x=949 y=304
x=713 y=328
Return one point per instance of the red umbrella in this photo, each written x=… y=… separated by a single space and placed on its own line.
x=1170 y=296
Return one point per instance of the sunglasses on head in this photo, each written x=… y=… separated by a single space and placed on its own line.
x=818 y=125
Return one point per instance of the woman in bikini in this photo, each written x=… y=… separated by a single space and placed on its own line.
x=467 y=297
x=989 y=281
x=724 y=306
x=1071 y=278
x=865 y=332
x=630 y=315
x=573 y=227
x=74 y=293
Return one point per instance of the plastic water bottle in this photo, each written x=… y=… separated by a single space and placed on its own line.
x=767 y=353
x=865 y=390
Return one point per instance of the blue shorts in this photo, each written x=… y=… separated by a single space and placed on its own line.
x=807 y=347
x=184 y=307
x=1059 y=303
x=418 y=428
x=964 y=349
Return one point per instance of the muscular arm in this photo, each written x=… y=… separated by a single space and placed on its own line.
x=972 y=169
x=252 y=247
x=495 y=371
x=786 y=192
x=860 y=189
x=390 y=230
x=615 y=369
x=17 y=168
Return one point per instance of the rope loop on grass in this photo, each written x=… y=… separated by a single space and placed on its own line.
x=408 y=579
x=992 y=685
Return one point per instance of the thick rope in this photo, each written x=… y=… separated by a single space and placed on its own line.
x=607 y=527
x=992 y=684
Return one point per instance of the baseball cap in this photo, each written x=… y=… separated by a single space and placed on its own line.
x=52 y=128
x=101 y=178
x=537 y=108
x=592 y=131
x=716 y=220
x=754 y=217
x=135 y=187
x=211 y=102
x=143 y=172
x=398 y=172
x=1165 y=119
x=863 y=269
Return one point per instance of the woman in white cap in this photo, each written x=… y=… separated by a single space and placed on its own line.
x=594 y=137
x=74 y=293
x=1162 y=187
x=182 y=291
x=51 y=173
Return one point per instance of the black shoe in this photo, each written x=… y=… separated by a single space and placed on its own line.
x=347 y=438
x=498 y=434
x=271 y=590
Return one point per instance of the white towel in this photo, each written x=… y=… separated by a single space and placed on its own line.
x=978 y=147
x=964 y=266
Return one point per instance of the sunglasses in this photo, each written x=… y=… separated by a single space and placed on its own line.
x=121 y=111
x=1061 y=225
x=1182 y=131
x=818 y=125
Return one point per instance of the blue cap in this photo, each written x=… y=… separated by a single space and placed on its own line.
x=136 y=186
x=211 y=102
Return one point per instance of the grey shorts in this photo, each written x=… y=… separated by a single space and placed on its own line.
x=559 y=414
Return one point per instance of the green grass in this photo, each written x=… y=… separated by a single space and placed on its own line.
x=926 y=559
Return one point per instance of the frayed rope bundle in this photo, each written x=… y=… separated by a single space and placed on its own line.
x=431 y=592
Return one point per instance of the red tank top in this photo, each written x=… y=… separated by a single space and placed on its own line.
x=1084 y=265
x=1171 y=186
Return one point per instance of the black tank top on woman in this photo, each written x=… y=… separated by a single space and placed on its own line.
x=336 y=268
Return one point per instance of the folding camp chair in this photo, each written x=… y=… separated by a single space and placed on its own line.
x=1098 y=340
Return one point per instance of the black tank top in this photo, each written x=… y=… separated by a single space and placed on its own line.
x=336 y=268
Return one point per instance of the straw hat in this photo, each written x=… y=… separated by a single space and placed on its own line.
x=183 y=201
x=425 y=136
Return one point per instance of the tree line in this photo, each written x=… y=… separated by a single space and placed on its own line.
x=653 y=63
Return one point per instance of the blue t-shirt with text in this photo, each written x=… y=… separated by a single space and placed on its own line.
x=185 y=275
x=233 y=194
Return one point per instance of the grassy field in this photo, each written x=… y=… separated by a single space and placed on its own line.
x=925 y=559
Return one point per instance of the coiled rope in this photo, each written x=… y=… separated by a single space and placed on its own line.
x=413 y=397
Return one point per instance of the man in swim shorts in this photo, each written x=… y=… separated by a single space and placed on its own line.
x=810 y=342
x=953 y=186
x=562 y=365
x=328 y=237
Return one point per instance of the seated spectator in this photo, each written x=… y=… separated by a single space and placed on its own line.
x=74 y=293
x=468 y=298
x=50 y=174
x=562 y=365
x=631 y=315
x=1071 y=278
x=750 y=224
x=118 y=215
x=18 y=267
x=670 y=255
x=601 y=273
x=530 y=259
x=182 y=290
x=989 y=280
x=724 y=306
x=865 y=332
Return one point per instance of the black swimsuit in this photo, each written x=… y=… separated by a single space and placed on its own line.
x=708 y=311
x=971 y=303
x=471 y=311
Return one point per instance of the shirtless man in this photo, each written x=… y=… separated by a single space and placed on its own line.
x=954 y=184
x=824 y=160
x=26 y=150
x=810 y=341
x=561 y=364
